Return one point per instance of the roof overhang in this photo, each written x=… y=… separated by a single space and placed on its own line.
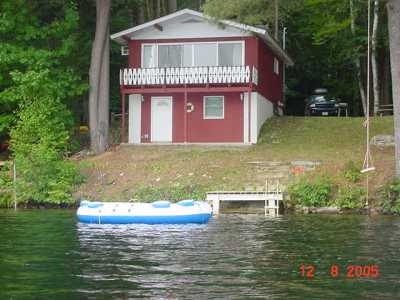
x=124 y=36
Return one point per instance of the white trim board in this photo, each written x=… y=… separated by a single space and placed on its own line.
x=261 y=109
x=245 y=118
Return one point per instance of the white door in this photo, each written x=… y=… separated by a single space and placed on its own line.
x=135 y=118
x=161 y=119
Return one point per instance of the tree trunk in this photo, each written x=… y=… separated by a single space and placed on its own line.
x=99 y=80
x=386 y=94
x=149 y=9
x=393 y=8
x=374 y=61
x=276 y=20
x=158 y=8
x=141 y=12
x=164 y=8
x=172 y=6
x=357 y=62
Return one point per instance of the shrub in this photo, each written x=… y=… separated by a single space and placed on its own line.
x=350 y=197
x=6 y=187
x=311 y=192
x=352 y=172
x=39 y=144
x=391 y=197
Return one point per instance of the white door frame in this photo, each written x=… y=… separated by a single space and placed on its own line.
x=153 y=117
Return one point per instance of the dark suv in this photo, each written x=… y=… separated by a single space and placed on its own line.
x=321 y=104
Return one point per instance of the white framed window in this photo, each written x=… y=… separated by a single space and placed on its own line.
x=124 y=50
x=187 y=55
x=226 y=53
x=149 y=56
x=205 y=54
x=213 y=107
x=230 y=54
x=170 y=56
x=276 y=66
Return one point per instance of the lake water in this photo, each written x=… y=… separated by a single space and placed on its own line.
x=46 y=254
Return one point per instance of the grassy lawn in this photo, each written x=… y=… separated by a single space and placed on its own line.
x=131 y=172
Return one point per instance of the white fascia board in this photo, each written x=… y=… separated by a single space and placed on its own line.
x=243 y=27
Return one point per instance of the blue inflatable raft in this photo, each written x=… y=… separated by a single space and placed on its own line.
x=159 y=212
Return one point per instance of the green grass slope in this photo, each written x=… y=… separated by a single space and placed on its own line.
x=319 y=137
x=132 y=172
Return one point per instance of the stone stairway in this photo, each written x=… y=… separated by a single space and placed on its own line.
x=270 y=172
x=270 y=176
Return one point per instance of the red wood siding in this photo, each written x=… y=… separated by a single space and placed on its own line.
x=251 y=53
x=135 y=53
x=227 y=130
x=269 y=84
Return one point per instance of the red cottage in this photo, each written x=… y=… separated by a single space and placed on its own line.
x=194 y=80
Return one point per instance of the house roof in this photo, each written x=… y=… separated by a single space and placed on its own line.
x=123 y=36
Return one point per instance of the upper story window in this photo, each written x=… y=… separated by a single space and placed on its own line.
x=205 y=54
x=170 y=55
x=148 y=56
x=276 y=66
x=230 y=54
x=193 y=54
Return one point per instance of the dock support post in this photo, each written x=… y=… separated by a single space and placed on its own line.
x=215 y=206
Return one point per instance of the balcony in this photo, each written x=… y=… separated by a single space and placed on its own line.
x=188 y=76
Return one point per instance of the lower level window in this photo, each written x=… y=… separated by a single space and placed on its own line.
x=213 y=107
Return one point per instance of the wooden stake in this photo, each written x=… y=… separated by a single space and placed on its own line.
x=15 y=184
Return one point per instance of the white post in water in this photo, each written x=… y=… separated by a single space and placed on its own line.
x=215 y=205
x=15 y=184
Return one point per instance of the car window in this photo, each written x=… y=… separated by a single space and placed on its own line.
x=319 y=98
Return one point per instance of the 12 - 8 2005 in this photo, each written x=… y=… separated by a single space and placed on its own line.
x=335 y=271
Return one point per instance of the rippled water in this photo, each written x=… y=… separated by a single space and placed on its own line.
x=48 y=255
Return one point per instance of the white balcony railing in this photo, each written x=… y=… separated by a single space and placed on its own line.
x=188 y=75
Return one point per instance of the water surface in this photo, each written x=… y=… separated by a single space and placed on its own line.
x=46 y=254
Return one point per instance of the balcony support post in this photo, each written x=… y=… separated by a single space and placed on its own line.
x=122 y=117
x=185 y=100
